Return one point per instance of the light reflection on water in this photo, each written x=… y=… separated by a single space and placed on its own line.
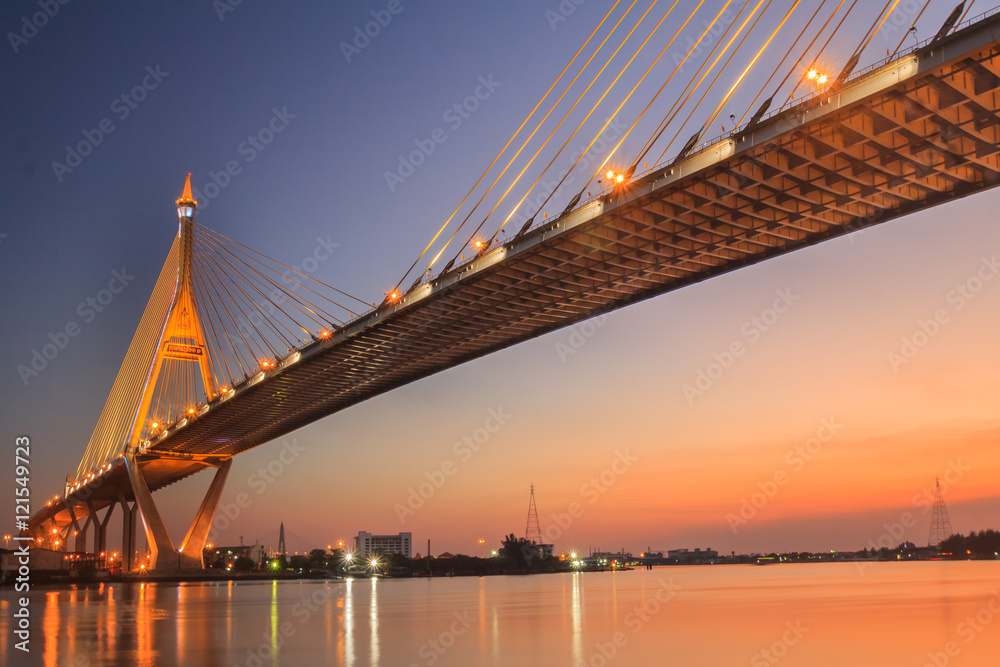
x=818 y=615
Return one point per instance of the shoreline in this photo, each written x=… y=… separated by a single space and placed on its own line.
x=59 y=580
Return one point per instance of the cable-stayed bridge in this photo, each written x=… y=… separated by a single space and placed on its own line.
x=202 y=383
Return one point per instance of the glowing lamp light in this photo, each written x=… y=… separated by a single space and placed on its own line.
x=325 y=333
x=156 y=425
x=226 y=390
x=479 y=244
x=616 y=178
x=812 y=74
x=393 y=295
x=186 y=204
x=190 y=411
x=822 y=78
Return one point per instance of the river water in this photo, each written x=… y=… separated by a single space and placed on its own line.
x=914 y=614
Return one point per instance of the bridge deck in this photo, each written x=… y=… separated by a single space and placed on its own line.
x=920 y=131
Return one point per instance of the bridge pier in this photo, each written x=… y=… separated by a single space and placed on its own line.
x=194 y=542
x=128 y=532
x=80 y=543
x=163 y=556
x=100 y=528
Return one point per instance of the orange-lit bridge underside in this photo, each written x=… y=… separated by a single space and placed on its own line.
x=919 y=131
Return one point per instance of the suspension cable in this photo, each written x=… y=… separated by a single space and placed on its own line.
x=913 y=28
x=819 y=54
x=681 y=100
x=566 y=115
x=471 y=190
x=656 y=133
x=756 y=57
x=703 y=77
x=781 y=62
x=538 y=127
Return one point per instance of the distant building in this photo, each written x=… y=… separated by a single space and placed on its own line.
x=610 y=557
x=682 y=556
x=366 y=544
x=47 y=560
x=255 y=552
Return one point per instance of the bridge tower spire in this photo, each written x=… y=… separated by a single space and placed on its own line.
x=182 y=336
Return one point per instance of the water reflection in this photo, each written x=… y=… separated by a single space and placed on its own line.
x=275 y=644
x=719 y=616
x=50 y=626
x=349 y=622
x=373 y=621
x=576 y=612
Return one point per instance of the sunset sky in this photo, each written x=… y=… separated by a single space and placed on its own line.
x=850 y=396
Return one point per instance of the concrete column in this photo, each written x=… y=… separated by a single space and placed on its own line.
x=157 y=538
x=128 y=533
x=101 y=531
x=80 y=537
x=193 y=547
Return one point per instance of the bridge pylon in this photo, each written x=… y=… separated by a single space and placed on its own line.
x=182 y=339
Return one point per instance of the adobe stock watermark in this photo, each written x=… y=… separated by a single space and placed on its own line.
x=957 y=298
x=370 y=30
x=901 y=19
x=895 y=532
x=773 y=654
x=752 y=330
x=87 y=311
x=579 y=334
x=121 y=107
x=223 y=7
x=713 y=34
x=31 y=25
x=454 y=117
x=562 y=12
x=635 y=620
x=434 y=649
x=796 y=458
x=967 y=631
x=463 y=450
x=248 y=149
x=258 y=482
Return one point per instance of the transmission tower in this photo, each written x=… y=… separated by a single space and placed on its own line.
x=533 y=531
x=940 y=523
